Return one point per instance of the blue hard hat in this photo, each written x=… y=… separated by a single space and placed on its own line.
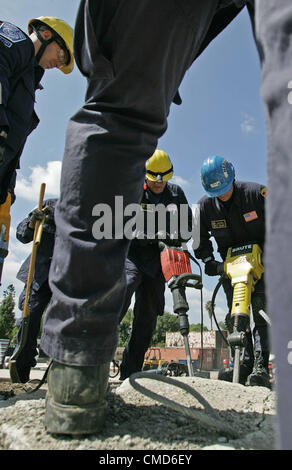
x=217 y=176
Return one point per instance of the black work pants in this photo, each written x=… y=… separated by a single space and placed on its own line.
x=134 y=71
x=149 y=303
x=39 y=299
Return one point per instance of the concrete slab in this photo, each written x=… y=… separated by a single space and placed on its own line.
x=137 y=422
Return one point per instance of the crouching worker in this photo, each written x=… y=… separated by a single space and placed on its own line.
x=40 y=294
x=143 y=269
x=233 y=213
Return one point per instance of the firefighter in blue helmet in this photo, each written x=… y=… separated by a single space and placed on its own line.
x=134 y=55
x=233 y=213
x=143 y=268
x=23 y=60
x=40 y=293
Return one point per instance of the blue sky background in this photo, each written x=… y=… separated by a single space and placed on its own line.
x=221 y=114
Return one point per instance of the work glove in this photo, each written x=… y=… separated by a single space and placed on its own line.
x=37 y=215
x=214 y=268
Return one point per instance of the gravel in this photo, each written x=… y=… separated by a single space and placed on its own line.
x=137 y=422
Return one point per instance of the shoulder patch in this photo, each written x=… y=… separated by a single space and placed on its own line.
x=11 y=32
x=5 y=41
x=264 y=191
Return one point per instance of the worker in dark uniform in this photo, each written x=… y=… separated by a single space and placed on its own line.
x=40 y=294
x=23 y=60
x=233 y=213
x=131 y=85
x=143 y=268
x=134 y=56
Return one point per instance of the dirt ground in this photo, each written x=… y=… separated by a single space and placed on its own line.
x=137 y=422
x=9 y=390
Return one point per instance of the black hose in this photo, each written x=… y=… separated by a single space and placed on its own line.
x=208 y=416
x=220 y=282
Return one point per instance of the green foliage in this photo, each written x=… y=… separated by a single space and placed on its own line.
x=197 y=327
x=222 y=325
x=8 y=328
x=166 y=322
x=125 y=328
x=208 y=307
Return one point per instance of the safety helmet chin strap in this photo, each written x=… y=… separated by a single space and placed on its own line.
x=44 y=43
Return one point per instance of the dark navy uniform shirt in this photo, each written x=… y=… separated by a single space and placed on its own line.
x=44 y=250
x=144 y=251
x=240 y=220
x=19 y=77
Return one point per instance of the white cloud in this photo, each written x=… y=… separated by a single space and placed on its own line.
x=180 y=181
x=248 y=125
x=28 y=188
x=18 y=252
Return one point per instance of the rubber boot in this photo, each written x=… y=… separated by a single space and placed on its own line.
x=75 y=401
x=260 y=375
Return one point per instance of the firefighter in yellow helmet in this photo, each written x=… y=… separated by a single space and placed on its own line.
x=159 y=167
x=53 y=42
x=143 y=268
x=23 y=60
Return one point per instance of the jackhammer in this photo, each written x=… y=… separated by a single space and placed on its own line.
x=176 y=268
x=244 y=268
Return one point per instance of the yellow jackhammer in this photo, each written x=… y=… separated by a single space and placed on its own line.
x=244 y=269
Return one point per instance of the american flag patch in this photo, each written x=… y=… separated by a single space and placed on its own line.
x=249 y=216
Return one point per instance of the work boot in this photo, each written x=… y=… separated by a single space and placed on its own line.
x=19 y=373
x=260 y=375
x=75 y=401
x=227 y=374
x=23 y=374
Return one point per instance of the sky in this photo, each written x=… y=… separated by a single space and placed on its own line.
x=221 y=114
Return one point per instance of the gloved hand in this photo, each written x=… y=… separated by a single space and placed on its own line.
x=37 y=215
x=214 y=268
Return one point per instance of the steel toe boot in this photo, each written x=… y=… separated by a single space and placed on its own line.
x=260 y=374
x=227 y=374
x=75 y=401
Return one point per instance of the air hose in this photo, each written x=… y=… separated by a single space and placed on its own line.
x=207 y=417
x=219 y=284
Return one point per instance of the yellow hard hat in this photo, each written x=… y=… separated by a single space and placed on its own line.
x=159 y=167
x=62 y=33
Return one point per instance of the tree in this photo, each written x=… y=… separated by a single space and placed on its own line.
x=208 y=307
x=165 y=322
x=125 y=328
x=222 y=325
x=8 y=327
x=197 y=327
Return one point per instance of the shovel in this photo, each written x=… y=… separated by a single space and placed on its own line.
x=26 y=310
